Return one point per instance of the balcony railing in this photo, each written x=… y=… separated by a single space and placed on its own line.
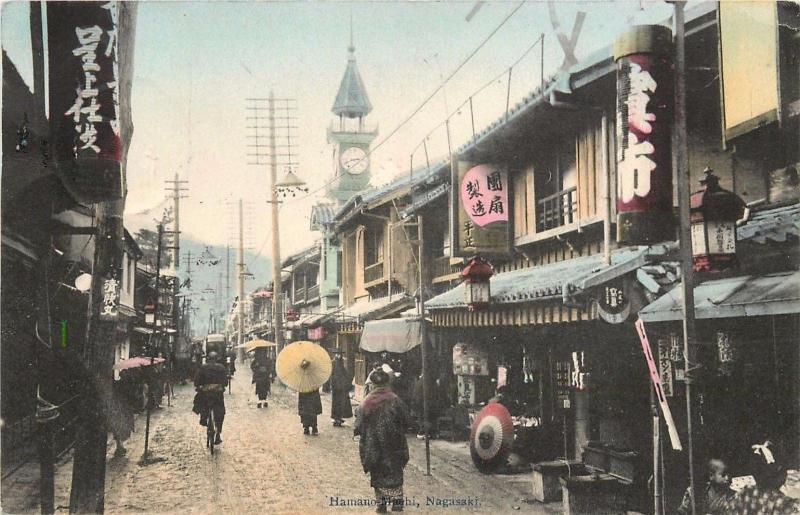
x=312 y=292
x=299 y=295
x=373 y=272
x=557 y=209
x=441 y=267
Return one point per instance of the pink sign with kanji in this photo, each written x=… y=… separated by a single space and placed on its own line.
x=484 y=195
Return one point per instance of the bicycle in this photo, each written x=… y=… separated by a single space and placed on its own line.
x=211 y=431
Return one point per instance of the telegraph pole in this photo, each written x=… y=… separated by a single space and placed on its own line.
x=240 y=284
x=176 y=190
x=260 y=150
x=277 y=293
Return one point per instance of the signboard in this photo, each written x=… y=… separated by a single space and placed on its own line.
x=748 y=48
x=563 y=383
x=84 y=97
x=109 y=309
x=665 y=365
x=614 y=303
x=659 y=387
x=316 y=333
x=470 y=359
x=644 y=132
x=480 y=210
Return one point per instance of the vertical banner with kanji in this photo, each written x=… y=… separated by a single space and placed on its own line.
x=480 y=210
x=659 y=387
x=84 y=97
x=644 y=133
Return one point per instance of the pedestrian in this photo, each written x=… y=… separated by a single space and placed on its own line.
x=341 y=381
x=381 y=423
x=121 y=421
x=262 y=371
x=765 y=497
x=715 y=495
x=309 y=405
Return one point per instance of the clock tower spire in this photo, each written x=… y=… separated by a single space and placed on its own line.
x=349 y=134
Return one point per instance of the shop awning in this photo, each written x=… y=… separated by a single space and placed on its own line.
x=391 y=335
x=143 y=330
x=364 y=310
x=744 y=296
x=548 y=281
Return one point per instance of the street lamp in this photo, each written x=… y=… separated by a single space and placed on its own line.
x=289 y=184
x=477 y=290
x=713 y=214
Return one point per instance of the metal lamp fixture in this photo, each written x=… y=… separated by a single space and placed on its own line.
x=290 y=184
x=477 y=288
x=713 y=214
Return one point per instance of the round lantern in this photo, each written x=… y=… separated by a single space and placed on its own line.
x=476 y=276
x=713 y=215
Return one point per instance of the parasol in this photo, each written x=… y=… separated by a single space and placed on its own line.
x=256 y=344
x=491 y=437
x=303 y=366
x=136 y=362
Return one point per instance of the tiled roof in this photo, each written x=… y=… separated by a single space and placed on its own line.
x=542 y=282
x=741 y=296
x=364 y=310
x=771 y=224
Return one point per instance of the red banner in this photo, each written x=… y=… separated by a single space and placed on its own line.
x=84 y=97
x=644 y=132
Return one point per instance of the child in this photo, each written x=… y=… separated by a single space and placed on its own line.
x=714 y=496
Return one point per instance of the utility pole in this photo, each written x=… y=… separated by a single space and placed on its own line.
x=277 y=293
x=188 y=259
x=176 y=190
x=426 y=380
x=153 y=345
x=88 y=494
x=260 y=150
x=240 y=285
x=684 y=192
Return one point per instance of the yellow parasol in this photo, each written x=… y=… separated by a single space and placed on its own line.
x=303 y=366
x=257 y=344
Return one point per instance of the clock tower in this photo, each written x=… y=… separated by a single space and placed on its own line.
x=349 y=135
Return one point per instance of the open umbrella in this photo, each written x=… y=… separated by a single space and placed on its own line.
x=491 y=437
x=136 y=362
x=303 y=366
x=256 y=344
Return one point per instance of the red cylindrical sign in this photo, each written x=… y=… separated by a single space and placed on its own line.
x=644 y=126
x=84 y=97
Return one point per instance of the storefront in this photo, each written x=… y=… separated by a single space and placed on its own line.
x=560 y=340
x=748 y=357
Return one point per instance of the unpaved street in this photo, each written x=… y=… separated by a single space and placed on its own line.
x=266 y=465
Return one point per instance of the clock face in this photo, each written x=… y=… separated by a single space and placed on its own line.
x=354 y=160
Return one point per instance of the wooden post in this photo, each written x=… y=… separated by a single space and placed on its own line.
x=153 y=345
x=46 y=468
x=89 y=464
x=423 y=335
x=684 y=191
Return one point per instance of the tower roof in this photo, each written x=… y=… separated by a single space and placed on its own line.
x=351 y=100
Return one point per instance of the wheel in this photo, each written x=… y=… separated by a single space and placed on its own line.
x=211 y=431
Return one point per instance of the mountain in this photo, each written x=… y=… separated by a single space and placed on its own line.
x=207 y=285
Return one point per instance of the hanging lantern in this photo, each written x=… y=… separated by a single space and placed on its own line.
x=149 y=313
x=713 y=215
x=477 y=275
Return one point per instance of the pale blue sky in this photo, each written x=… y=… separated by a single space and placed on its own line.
x=196 y=62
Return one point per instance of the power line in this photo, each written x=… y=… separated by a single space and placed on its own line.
x=424 y=102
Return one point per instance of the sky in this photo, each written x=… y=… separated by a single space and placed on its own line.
x=196 y=63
